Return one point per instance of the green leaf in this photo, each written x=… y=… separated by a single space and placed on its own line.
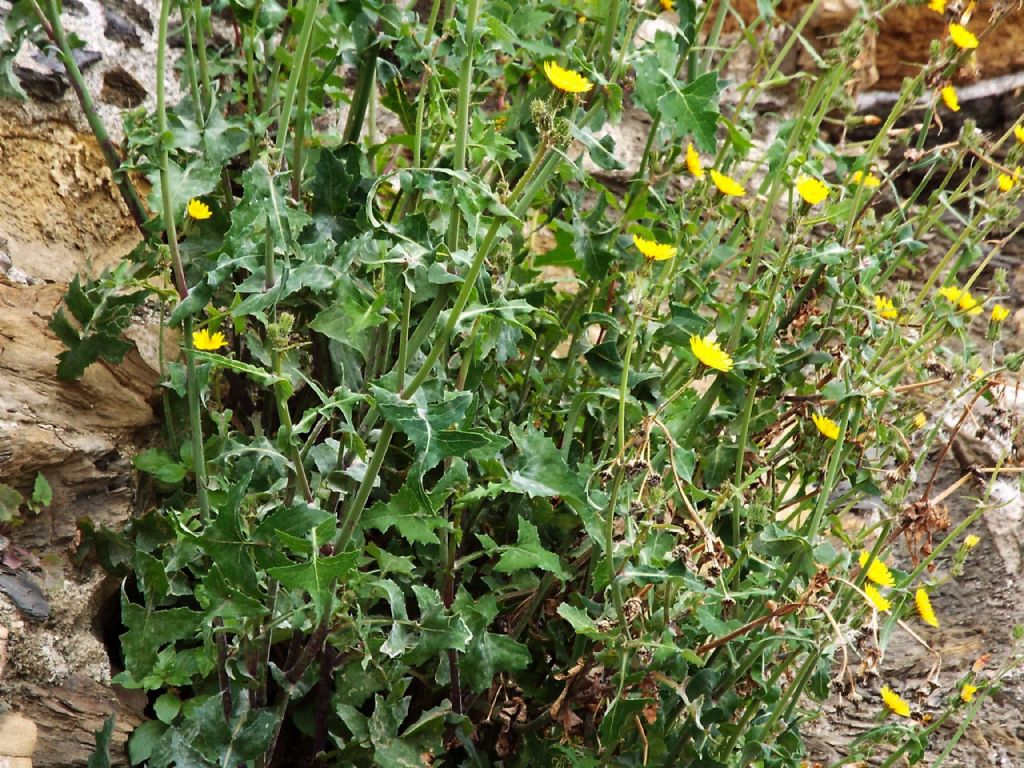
x=100 y=758
x=167 y=707
x=143 y=739
x=579 y=619
x=160 y=465
x=196 y=179
x=488 y=654
x=404 y=511
x=42 y=493
x=150 y=630
x=527 y=553
x=318 y=576
x=439 y=629
x=10 y=504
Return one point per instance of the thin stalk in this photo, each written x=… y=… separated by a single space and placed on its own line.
x=462 y=115
x=196 y=423
x=300 y=61
x=300 y=125
x=611 y=26
x=361 y=95
x=204 y=69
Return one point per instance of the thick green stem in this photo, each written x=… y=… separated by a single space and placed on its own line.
x=361 y=94
x=204 y=68
x=196 y=422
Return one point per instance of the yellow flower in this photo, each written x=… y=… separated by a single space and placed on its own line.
x=920 y=420
x=693 y=162
x=876 y=598
x=812 y=190
x=999 y=313
x=867 y=179
x=951 y=293
x=969 y=304
x=895 y=702
x=962 y=37
x=967 y=692
x=204 y=340
x=653 y=250
x=727 y=185
x=885 y=307
x=710 y=353
x=666 y=5
x=971 y=541
x=567 y=80
x=924 y=607
x=950 y=99
x=979 y=373
x=198 y=210
x=1005 y=182
x=939 y=6
x=878 y=572
x=826 y=426
x=1018 y=131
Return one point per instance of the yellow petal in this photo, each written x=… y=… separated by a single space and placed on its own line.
x=726 y=185
x=878 y=572
x=204 y=340
x=924 y=607
x=693 y=162
x=567 y=80
x=895 y=702
x=999 y=313
x=710 y=353
x=654 y=250
x=198 y=210
x=813 y=191
x=876 y=598
x=826 y=426
x=949 y=98
x=967 y=692
x=962 y=37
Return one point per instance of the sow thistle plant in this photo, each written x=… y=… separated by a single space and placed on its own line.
x=430 y=494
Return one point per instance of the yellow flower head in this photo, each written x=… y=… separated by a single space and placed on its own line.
x=924 y=607
x=967 y=692
x=204 y=340
x=1005 y=182
x=198 y=210
x=1018 y=131
x=971 y=541
x=710 y=353
x=878 y=572
x=876 y=598
x=939 y=6
x=885 y=307
x=999 y=313
x=653 y=250
x=895 y=702
x=962 y=37
x=920 y=420
x=693 y=162
x=949 y=98
x=867 y=179
x=950 y=293
x=969 y=304
x=812 y=190
x=726 y=185
x=666 y=5
x=567 y=80
x=826 y=426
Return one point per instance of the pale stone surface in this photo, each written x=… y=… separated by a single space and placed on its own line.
x=17 y=736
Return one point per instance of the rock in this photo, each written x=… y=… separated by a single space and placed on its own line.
x=47 y=78
x=121 y=89
x=118 y=28
x=17 y=736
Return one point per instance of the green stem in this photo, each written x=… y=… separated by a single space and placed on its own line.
x=462 y=114
x=204 y=69
x=611 y=26
x=361 y=95
x=299 y=63
x=196 y=423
